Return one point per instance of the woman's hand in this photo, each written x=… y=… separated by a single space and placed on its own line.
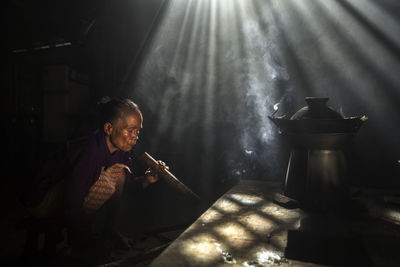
x=151 y=176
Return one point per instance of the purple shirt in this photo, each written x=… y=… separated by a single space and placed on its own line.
x=79 y=163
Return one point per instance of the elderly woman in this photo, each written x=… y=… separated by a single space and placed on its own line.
x=91 y=172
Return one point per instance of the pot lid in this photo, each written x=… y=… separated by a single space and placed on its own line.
x=317 y=117
x=316 y=109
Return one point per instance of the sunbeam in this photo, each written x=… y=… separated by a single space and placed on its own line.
x=219 y=67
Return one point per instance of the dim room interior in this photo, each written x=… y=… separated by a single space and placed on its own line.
x=278 y=120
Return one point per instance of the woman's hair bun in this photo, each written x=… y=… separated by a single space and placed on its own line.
x=104 y=100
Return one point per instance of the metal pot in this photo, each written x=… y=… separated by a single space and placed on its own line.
x=316 y=172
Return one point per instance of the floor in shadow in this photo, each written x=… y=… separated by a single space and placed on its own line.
x=326 y=249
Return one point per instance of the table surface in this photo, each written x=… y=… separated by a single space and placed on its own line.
x=244 y=227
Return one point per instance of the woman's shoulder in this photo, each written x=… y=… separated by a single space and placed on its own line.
x=90 y=143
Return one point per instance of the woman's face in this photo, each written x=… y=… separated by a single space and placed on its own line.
x=124 y=133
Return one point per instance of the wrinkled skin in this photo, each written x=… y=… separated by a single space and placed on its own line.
x=124 y=133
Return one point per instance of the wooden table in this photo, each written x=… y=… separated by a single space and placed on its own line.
x=242 y=228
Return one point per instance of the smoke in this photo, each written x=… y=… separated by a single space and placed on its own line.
x=212 y=76
x=266 y=83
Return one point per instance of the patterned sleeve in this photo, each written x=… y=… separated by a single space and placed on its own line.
x=82 y=174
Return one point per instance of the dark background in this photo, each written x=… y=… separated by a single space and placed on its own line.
x=206 y=75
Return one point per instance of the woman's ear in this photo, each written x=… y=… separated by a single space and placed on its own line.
x=108 y=128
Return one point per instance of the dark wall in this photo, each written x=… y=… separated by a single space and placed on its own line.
x=60 y=57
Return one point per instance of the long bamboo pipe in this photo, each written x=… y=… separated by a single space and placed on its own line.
x=168 y=177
